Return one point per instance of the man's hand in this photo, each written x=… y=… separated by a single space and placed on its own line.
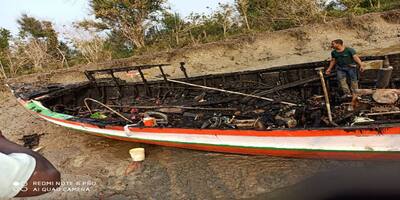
x=362 y=67
x=328 y=71
x=332 y=63
x=359 y=62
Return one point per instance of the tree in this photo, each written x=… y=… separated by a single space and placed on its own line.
x=36 y=52
x=115 y=41
x=5 y=37
x=30 y=26
x=11 y=61
x=278 y=14
x=38 y=45
x=351 y=5
x=51 y=39
x=130 y=17
x=243 y=7
x=362 y=6
x=42 y=40
x=223 y=17
x=90 y=46
x=93 y=50
x=15 y=60
x=174 y=25
x=117 y=45
x=195 y=27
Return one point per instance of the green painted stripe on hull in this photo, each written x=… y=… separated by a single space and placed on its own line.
x=36 y=107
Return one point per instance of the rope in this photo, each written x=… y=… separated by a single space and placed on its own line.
x=112 y=110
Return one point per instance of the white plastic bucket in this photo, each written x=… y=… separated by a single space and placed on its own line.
x=137 y=154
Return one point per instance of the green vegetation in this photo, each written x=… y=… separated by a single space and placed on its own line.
x=335 y=8
x=124 y=28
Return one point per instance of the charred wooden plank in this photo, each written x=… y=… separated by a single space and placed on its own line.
x=287 y=86
x=183 y=69
x=51 y=94
x=163 y=74
x=123 y=69
x=116 y=84
x=144 y=81
x=90 y=76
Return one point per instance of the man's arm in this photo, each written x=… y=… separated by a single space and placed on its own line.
x=44 y=170
x=332 y=64
x=359 y=62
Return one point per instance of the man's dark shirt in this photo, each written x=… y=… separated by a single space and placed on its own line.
x=344 y=58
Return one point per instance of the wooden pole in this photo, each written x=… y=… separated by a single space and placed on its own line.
x=327 y=103
x=230 y=92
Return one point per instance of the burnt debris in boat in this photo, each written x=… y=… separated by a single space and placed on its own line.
x=274 y=98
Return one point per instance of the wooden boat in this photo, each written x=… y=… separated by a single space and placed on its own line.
x=189 y=107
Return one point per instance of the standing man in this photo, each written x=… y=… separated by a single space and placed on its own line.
x=346 y=60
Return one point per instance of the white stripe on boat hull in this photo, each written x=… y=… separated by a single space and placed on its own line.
x=389 y=143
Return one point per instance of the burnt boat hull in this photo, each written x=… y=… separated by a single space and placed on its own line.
x=66 y=105
x=331 y=143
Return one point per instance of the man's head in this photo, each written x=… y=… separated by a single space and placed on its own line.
x=337 y=44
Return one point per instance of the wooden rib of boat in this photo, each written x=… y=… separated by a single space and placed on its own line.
x=64 y=105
